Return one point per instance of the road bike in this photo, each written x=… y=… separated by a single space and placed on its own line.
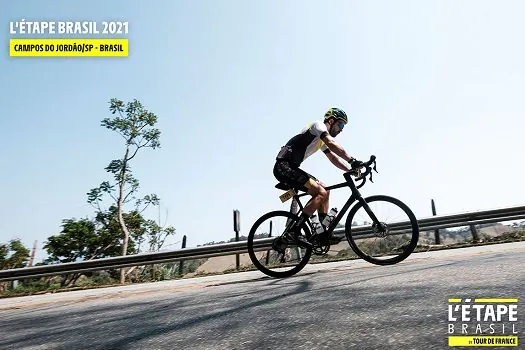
x=398 y=238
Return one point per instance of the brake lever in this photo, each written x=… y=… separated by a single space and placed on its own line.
x=368 y=170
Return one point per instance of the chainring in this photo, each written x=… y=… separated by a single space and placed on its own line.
x=318 y=247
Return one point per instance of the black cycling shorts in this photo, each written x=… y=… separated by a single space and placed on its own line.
x=291 y=175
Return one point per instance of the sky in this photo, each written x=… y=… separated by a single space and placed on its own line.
x=433 y=88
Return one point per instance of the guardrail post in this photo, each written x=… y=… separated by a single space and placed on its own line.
x=236 y=228
x=181 y=264
x=436 y=231
x=474 y=231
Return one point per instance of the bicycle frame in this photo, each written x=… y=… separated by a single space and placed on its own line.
x=355 y=196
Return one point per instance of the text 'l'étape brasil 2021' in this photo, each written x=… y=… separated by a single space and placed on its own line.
x=60 y=43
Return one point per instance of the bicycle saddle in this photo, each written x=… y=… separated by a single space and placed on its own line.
x=285 y=187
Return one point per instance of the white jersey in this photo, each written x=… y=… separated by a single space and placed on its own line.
x=304 y=144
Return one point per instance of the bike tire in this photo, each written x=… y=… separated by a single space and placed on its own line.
x=413 y=225
x=277 y=274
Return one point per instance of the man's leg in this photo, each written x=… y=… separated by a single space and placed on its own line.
x=318 y=200
x=324 y=207
x=298 y=178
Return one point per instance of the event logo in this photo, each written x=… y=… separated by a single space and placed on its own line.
x=63 y=38
x=483 y=322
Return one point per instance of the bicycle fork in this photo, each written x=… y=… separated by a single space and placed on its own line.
x=368 y=210
x=377 y=226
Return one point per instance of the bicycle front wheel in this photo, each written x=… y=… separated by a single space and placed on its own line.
x=382 y=230
x=265 y=250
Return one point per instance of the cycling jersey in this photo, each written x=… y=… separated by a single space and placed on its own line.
x=304 y=144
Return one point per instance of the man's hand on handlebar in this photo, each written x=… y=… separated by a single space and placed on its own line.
x=356 y=164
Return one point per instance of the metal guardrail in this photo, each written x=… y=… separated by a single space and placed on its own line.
x=426 y=224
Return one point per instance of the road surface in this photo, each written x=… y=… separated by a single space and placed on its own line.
x=341 y=305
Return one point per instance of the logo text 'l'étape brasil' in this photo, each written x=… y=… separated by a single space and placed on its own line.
x=483 y=321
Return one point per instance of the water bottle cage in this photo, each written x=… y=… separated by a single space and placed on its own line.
x=330 y=216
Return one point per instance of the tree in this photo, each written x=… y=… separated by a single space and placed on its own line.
x=77 y=241
x=136 y=126
x=86 y=239
x=81 y=240
x=13 y=255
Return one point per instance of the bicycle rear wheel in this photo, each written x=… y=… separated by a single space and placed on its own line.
x=265 y=256
x=390 y=239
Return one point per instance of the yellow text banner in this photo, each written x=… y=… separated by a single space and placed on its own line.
x=68 y=47
x=488 y=340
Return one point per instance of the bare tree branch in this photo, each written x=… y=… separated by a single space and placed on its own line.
x=125 y=200
x=112 y=197
x=145 y=207
x=95 y=253
x=134 y=153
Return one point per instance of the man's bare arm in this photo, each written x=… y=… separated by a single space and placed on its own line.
x=333 y=146
x=337 y=161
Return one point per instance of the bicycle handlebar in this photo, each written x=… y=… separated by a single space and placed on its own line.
x=368 y=166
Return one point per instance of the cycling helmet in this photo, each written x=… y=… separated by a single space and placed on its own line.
x=337 y=114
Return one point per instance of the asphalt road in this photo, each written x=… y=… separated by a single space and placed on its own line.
x=343 y=305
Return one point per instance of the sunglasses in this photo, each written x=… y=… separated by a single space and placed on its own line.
x=341 y=125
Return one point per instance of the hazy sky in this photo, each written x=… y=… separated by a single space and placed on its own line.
x=435 y=89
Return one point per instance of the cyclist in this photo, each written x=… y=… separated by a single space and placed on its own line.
x=318 y=135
